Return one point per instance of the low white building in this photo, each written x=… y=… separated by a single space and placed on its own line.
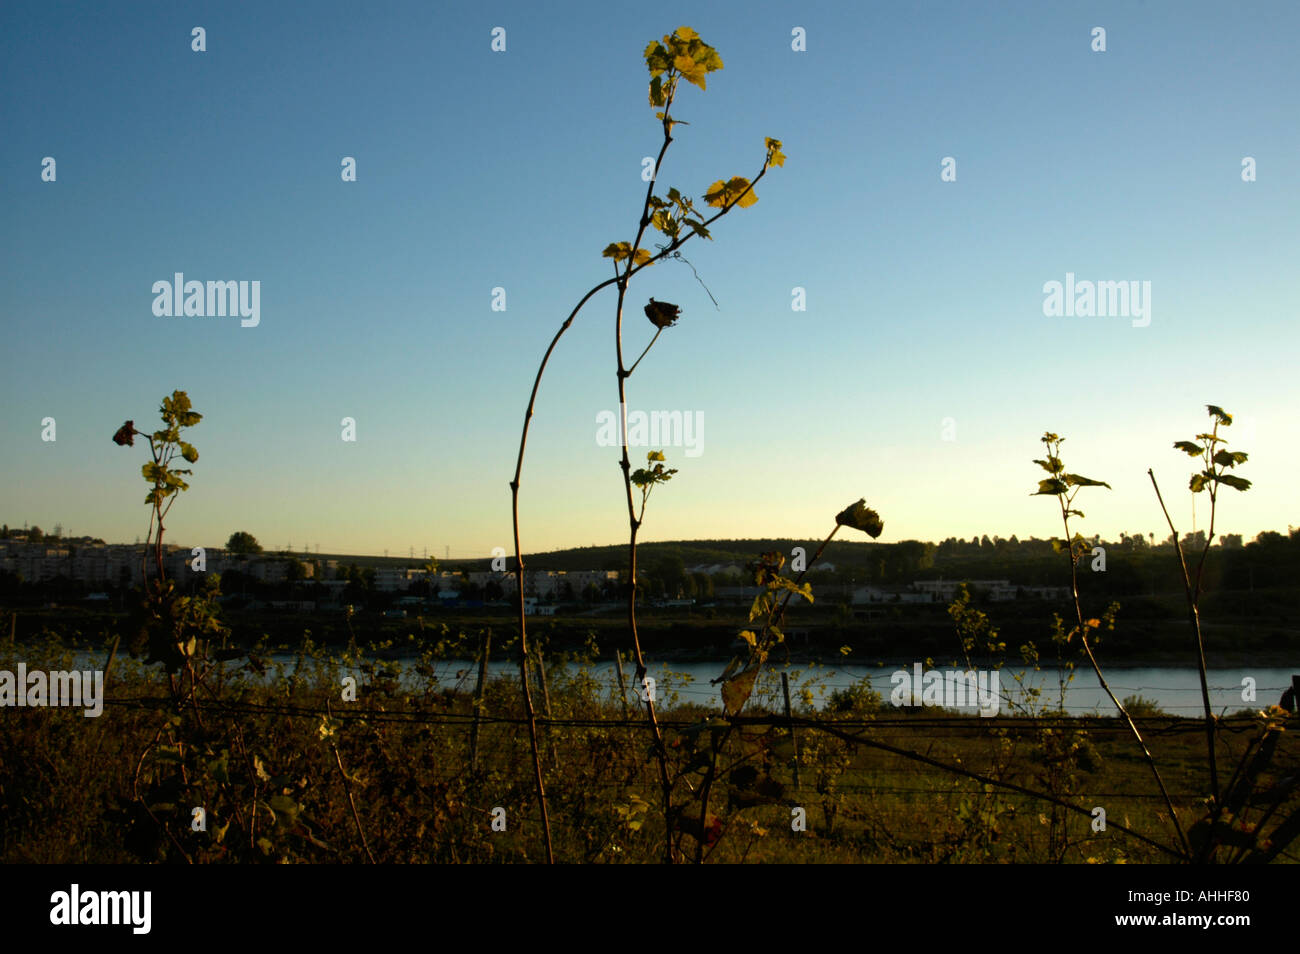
x=269 y=571
x=1045 y=592
x=874 y=594
x=394 y=579
x=945 y=591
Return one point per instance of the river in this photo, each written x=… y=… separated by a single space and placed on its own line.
x=1175 y=690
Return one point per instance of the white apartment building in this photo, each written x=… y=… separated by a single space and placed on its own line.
x=945 y=590
x=872 y=593
x=118 y=564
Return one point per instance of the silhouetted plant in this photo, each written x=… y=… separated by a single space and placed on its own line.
x=737 y=684
x=190 y=764
x=680 y=55
x=1226 y=825
x=1065 y=487
x=1216 y=461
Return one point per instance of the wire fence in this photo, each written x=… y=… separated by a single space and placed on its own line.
x=437 y=693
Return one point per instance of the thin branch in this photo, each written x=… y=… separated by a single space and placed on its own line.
x=776 y=611
x=1194 y=617
x=634 y=524
x=347 y=787
x=628 y=373
x=519 y=567
x=1083 y=638
x=622 y=282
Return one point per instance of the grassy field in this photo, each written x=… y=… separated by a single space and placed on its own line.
x=289 y=769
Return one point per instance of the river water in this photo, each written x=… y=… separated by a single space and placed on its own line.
x=1176 y=691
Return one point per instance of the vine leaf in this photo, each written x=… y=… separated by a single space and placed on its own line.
x=694 y=72
x=621 y=250
x=1237 y=483
x=1220 y=414
x=775 y=156
x=726 y=193
x=859 y=516
x=1074 y=480
x=736 y=689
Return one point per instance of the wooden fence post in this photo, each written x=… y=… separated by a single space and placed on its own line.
x=485 y=647
x=622 y=686
x=785 y=689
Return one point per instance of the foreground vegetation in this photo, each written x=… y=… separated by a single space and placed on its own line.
x=200 y=757
x=204 y=753
x=287 y=772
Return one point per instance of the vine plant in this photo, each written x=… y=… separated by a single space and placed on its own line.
x=1225 y=825
x=194 y=763
x=679 y=55
x=1065 y=487
x=1215 y=461
x=172 y=624
x=750 y=785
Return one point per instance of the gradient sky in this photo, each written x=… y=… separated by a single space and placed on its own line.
x=479 y=169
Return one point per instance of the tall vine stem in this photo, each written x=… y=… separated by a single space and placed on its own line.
x=1216 y=461
x=1058 y=485
x=637 y=259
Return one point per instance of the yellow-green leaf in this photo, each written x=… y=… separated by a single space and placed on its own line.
x=737 y=689
x=656 y=58
x=694 y=72
x=729 y=192
x=775 y=156
x=707 y=57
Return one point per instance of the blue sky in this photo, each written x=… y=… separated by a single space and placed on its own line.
x=479 y=169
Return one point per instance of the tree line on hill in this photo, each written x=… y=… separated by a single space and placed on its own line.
x=1136 y=563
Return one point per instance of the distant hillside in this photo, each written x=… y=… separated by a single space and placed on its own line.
x=691 y=553
x=1134 y=564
